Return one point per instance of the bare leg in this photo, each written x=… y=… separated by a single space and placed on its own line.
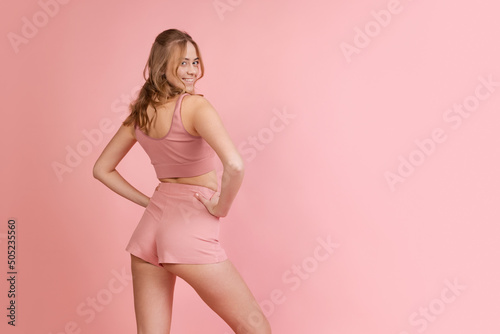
x=223 y=289
x=153 y=297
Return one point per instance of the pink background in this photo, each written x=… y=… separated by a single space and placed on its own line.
x=314 y=177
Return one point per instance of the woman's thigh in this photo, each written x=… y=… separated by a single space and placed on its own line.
x=153 y=296
x=224 y=290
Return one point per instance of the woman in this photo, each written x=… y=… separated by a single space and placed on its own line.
x=177 y=235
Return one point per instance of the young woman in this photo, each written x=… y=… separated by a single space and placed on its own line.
x=177 y=235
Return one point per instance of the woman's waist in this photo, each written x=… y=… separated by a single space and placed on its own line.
x=207 y=180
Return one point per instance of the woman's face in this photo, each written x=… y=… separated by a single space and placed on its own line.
x=188 y=69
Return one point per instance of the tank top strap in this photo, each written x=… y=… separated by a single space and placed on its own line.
x=177 y=112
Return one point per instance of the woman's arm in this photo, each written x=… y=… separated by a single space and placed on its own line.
x=104 y=168
x=208 y=124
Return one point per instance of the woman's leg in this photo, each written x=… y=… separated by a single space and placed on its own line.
x=153 y=296
x=223 y=289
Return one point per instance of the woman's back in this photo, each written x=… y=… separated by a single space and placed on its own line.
x=164 y=116
x=175 y=148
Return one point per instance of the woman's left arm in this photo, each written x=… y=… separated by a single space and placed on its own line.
x=104 y=168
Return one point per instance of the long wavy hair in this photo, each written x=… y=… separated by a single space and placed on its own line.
x=167 y=53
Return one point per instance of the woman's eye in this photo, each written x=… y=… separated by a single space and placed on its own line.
x=196 y=62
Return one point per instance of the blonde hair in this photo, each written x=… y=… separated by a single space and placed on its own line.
x=167 y=53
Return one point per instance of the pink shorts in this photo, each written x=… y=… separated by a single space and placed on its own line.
x=177 y=228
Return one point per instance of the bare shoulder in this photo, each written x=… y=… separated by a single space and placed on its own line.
x=129 y=130
x=200 y=111
x=197 y=101
x=125 y=135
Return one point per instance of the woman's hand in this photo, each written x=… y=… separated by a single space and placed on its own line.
x=211 y=204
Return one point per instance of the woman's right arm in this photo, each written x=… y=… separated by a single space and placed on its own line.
x=208 y=124
x=104 y=168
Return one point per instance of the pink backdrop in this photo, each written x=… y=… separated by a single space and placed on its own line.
x=370 y=135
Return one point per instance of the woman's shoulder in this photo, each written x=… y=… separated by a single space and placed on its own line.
x=130 y=129
x=196 y=101
x=199 y=109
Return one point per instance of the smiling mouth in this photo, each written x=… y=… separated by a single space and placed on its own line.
x=188 y=80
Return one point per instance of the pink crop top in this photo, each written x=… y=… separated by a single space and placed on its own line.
x=178 y=153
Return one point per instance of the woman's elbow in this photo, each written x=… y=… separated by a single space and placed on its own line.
x=235 y=166
x=98 y=171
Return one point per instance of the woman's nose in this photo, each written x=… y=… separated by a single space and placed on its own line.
x=191 y=69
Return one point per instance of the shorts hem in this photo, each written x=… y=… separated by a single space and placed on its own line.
x=180 y=260
x=174 y=260
x=137 y=252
